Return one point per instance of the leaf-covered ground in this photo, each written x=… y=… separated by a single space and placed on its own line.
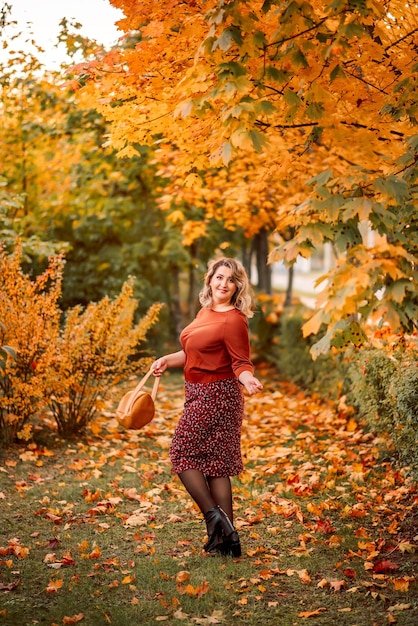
x=98 y=531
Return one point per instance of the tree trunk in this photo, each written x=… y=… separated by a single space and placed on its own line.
x=194 y=287
x=247 y=253
x=289 y=290
x=261 y=247
x=175 y=299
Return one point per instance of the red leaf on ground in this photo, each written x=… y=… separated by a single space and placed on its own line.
x=381 y=567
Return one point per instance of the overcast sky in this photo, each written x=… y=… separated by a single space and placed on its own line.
x=97 y=17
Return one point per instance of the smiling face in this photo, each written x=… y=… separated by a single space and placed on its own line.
x=223 y=287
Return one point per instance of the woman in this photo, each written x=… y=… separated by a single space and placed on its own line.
x=206 y=448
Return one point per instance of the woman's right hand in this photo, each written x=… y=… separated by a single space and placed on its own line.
x=159 y=366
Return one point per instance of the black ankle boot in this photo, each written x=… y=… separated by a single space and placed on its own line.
x=222 y=536
x=214 y=530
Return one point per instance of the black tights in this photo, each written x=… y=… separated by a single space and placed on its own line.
x=208 y=491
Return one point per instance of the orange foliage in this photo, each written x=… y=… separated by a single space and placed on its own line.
x=30 y=325
x=245 y=102
x=69 y=369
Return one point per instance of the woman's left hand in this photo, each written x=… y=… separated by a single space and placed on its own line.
x=250 y=382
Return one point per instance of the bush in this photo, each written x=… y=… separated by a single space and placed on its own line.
x=384 y=390
x=405 y=435
x=94 y=353
x=30 y=326
x=370 y=374
x=66 y=370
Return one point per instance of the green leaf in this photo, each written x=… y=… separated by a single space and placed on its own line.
x=259 y=140
x=241 y=84
x=292 y=98
x=347 y=235
x=315 y=111
x=337 y=72
x=353 y=30
x=277 y=75
x=259 y=39
x=232 y=67
x=356 y=207
x=229 y=35
x=393 y=186
x=299 y=58
x=352 y=335
x=397 y=291
x=320 y=179
x=6 y=351
x=330 y=338
x=266 y=107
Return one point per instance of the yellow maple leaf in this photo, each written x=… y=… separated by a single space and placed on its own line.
x=127 y=580
x=54 y=585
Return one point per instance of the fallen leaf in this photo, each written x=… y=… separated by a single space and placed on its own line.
x=199 y=590
x=137 y=519
x=406 y=546
x=127 y=580
x=385 y=566
x=337 y=585
x=401 y=584
x=311 y=613
x=217 y=617
x=171 y=519
x=54 y=585
x=95 y=553
x=73 y=620
x=182 y=576
x=324 y=526
x=399 y=607
x=304 y=576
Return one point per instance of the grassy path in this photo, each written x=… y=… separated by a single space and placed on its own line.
x=97 y=531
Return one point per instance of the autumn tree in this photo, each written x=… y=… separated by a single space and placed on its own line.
x=315 y=92
x=65 y=190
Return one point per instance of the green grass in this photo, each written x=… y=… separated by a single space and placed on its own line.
x=311 y=534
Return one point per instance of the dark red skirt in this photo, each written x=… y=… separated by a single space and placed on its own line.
x=208 y=434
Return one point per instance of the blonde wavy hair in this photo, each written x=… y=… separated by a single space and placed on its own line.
x=243 y=298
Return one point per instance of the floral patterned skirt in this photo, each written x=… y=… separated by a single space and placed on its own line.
x=208 y=434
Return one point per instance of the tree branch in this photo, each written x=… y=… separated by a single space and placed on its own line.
x=266 y=125
x=365 y=81
x=296 y=35
x=395 y=43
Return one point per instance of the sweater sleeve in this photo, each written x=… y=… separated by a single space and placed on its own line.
x=237 y=343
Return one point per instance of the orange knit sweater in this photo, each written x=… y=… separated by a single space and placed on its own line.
x=217 y=346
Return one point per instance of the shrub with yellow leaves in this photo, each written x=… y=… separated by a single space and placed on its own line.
x=67 y=369
x=30 y=327
x=93 y=354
